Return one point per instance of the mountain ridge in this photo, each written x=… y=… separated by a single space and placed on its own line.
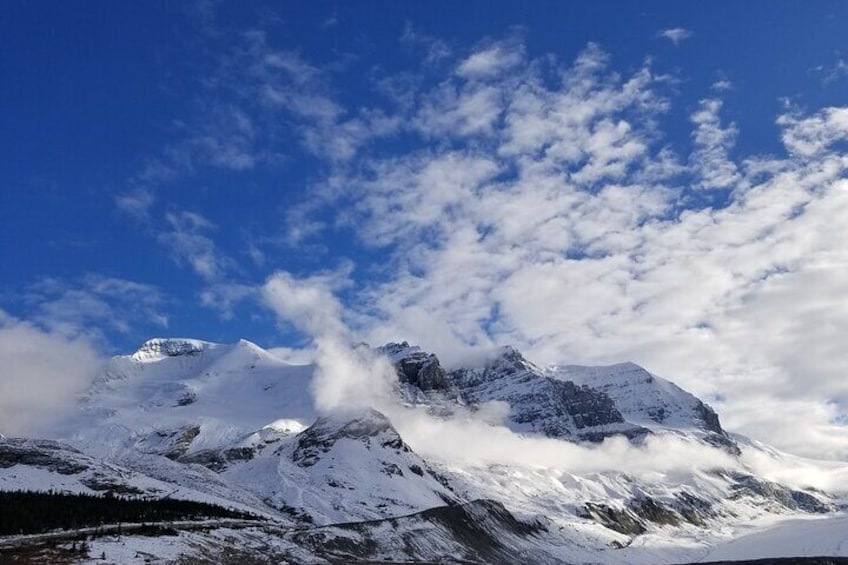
x=233 y=422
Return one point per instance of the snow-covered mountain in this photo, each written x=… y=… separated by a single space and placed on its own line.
x=236 y=426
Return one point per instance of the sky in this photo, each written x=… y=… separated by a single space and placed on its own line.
x=658 y=182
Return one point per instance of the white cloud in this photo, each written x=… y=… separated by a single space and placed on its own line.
x=710 y=159
x=42 y=372
x=675 y=34
x=809 y=136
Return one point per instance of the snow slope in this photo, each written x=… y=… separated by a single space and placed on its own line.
x=808 y=537
x=177 y=396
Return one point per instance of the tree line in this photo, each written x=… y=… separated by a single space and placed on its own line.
x=33 y=512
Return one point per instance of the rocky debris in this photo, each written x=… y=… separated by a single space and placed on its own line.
x=180 y=440
x=45 y=454
x=219 y=460
x=482 y=531
x=748 y=485
x=641 y=510
x=422 y=378
x=653 y=510
x=188 y=397
x=100 y=482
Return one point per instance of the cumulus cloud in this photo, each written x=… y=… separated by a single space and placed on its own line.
x=808 y=136
x=558 y=220
x=42 y=372
x=490 y=61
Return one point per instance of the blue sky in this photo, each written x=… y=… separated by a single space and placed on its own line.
x=592 y=182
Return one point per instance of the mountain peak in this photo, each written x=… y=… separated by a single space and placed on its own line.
x=646 y=399
x=510 y=356
x=361 y=426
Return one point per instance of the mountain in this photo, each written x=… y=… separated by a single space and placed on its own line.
x=599 y=468
x=649 y=401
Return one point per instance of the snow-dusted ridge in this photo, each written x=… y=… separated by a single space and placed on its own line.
x=232 y=423
x=158 y=348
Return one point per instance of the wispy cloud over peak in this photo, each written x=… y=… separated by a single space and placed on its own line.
x=89 y=305
x=434 y=50
x=186 y=241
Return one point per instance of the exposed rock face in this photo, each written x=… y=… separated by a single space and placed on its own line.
x=423 y=371
x=709 y=418
x=420 y=371
x=620 y=520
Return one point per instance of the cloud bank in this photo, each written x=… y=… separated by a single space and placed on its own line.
x=543 y=207
x=42 y=372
